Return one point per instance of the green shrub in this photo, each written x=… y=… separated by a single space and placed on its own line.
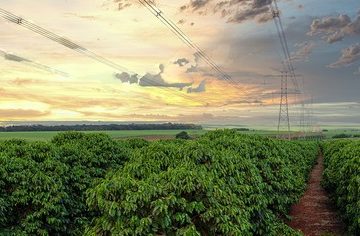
x=221 y=184
x=31 y=190
x=43 y=185
x=182 y=135
x=342 y=136
x=342 y=179
x=134 y=143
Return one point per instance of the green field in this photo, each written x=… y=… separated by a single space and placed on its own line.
x=331 y=133
x=47 y=135
x=118 y=134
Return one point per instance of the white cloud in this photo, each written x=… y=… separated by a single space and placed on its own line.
x=348 y=57
x=335 y=28
x=304 y=50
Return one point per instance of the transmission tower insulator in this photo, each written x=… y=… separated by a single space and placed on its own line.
x=276 y=13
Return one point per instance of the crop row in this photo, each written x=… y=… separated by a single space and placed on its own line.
x=342 y=179
x=220 y=184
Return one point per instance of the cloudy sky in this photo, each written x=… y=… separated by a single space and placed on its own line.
x=128 y=66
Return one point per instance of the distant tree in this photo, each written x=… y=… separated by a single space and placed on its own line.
x=342 y=136
x=243 y=129
x=325 y=130
x=84 y=127
x=183 y=135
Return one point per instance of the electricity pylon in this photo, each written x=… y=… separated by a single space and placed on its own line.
x=284 y=120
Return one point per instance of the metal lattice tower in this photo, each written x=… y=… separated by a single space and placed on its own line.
x=284 y=120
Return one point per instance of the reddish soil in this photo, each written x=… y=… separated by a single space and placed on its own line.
x=315 y=215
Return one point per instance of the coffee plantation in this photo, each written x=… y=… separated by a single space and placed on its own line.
x=342 y=179
x=222 y=183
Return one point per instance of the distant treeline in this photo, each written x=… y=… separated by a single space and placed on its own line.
x=165 y=126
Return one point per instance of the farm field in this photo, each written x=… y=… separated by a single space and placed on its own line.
x=45 y=136
x=333 y=132
x=150 y=134
x=180 y=118
x=206 y=178
x=223 y=182
x=341 y=179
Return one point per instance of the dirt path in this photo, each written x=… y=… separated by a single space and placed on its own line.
x=315 y=214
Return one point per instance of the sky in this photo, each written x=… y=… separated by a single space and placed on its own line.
x=151 y=75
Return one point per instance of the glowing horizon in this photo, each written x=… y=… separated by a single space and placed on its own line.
x=135 y=39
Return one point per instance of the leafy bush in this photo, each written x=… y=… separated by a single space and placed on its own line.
x=43 y=185
x=342 y=136
x=242 y=129
x=183 y=135
x=134 y=143
x=342 y=179
x=31 y=189
x=221 y=184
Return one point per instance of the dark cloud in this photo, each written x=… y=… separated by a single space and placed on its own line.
x=124 y=77
x=122 y=4
x=12 y=57
x=235 y=11
x=127 y=78
x=150 y=80
x=181 y=22
x=199 y=89
x=194 y=68
x=182 y=62
x=15 y=58
x=348 y=57
x=335 y=37
x=335 y=28
x=195 y=5
x=330 y=23
x=183 y=8
x=259 y=14
x=134 y=79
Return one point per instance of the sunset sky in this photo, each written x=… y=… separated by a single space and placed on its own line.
x=324 y=38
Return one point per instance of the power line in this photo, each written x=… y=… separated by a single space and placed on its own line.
x=283 y=40
x=185 y=39
x=76 y=47
x=159 y=14
x=287 y=62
